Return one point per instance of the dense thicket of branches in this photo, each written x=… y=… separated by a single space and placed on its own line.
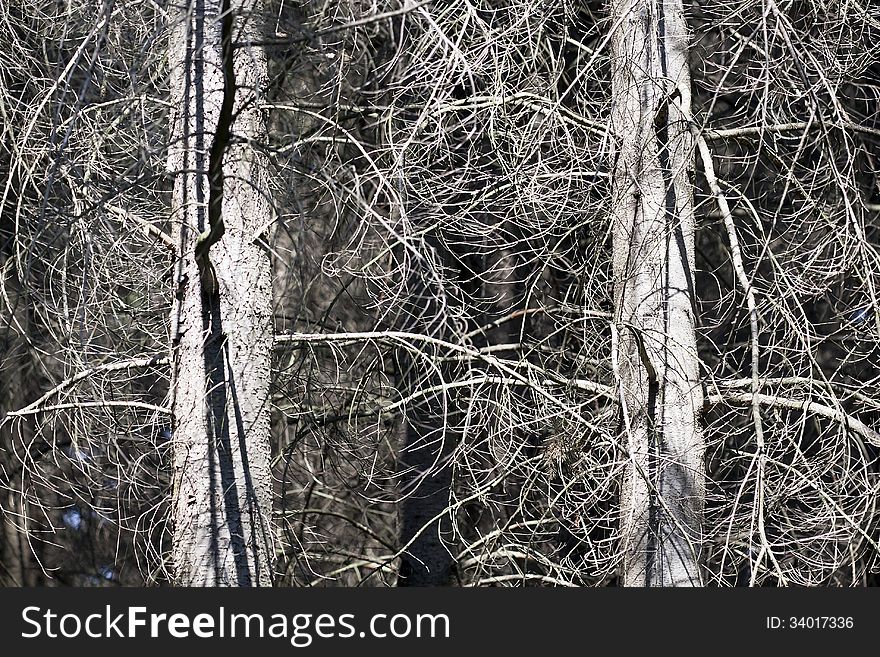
x=442 y=176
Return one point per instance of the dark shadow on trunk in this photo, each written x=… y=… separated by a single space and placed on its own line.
x=260 y=533
x=425 y=476
x=221 y=445
x=427 y=479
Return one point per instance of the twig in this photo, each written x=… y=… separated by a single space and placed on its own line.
x=148 y=227
x=109 y=367
x=366 y=20
x=750 y=131
x=847 y=421
x=91 y=404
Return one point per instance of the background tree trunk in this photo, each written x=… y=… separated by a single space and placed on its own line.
x=221 y=319
x=17 y=567
x=430 y=435
x=662 y=493
x=427 y=562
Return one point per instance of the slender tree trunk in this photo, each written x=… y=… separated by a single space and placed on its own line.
x=427 y=562
x=17 y=566
x=222 y=328
x=425 y=479
x=430 y=436
x=655 y=356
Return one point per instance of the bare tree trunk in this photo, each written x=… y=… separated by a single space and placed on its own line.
x=425 y=473
x=655 y=356
x=17 y=566
x=425 y=519
x=222 y=327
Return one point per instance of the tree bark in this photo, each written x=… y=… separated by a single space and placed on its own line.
x=655 y=356
x=17 y=566
x=222 y=326
x=424 y=469
x=425 y=520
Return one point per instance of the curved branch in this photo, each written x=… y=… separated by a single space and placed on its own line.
x=35 y=406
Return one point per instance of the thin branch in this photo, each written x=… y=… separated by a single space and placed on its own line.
x=34 y=406
x=366 y=20
x=148 y=227
x=755 y=130
x=91 y=404
x=752 y=307
x=847 y=421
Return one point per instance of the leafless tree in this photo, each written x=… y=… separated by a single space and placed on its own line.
x=654 y=355
x=222 y=333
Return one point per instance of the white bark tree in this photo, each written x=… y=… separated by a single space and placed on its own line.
x=655 y=356
x=222 y=315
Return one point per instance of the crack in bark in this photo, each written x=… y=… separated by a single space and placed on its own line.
x=654 y=424
x=221 y=311
x=655 y=428
x=218 y=384
x=219 y=145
